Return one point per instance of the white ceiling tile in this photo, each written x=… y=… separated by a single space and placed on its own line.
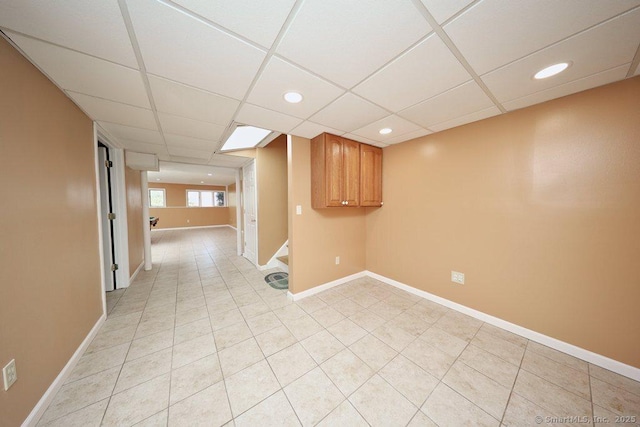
x=93 y=27
x=425 y=71
x=599 y=79
x=445 y=9
x=133 y=134
x=408 y=136
x=189 y=152
x=85 y=74
x=467 y=118
x=345 y=41
x=109 y=111
x=188 y=127
x=176 y=46
x=494 y=32
x=228 y=160
x=163 y=156
x=361 y=139
x=190 y=160
x=256 y=20
x=266 y=119
x=180 y=100
x=188 y=142
x=590 y=52
x=349 y=112
x=143 y=147
x=399 y=126
x=280 y=77
x=464 y=99
x=311 y=130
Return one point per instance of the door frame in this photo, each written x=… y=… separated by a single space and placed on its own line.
x=253 y=163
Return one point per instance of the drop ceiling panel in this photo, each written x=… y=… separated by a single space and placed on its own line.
x=266 y=119
x=280 y=77
x=180 y=100
x=492 y=33
x=85 y=74
x=362 y=139
x=143 y=147
x=349 y=112
x=590 y=52
x=134 y=134
x=585 y=83
x=93 y=27
x=188 y=142
x=188 y=127
x=408 y=136
x=189 y=153
x=228 y=160
x=464 y=99
x=178 y=47
x=399 y=126
x=346 y=41
x=259 y=21
x=467 y=118
x=310 y=130
x=115 y=112
x=445 y=9
x=425 y=71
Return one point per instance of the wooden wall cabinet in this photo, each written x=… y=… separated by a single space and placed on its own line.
x=344 y=173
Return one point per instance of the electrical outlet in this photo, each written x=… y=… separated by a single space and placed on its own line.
x=457 y=277
x=298 y=209
x=9 y=374
x=337 y=260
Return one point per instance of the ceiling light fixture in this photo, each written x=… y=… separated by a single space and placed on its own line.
x=244 y=137
x=209 y=174
x=157 y=179
x=551 y=70
x=292 y=97
x=385 y=131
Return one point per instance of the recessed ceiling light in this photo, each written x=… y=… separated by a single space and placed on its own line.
x=293 y=97
x=201 y=182
x=551 y=70
x=385 y=131
x=157 y=179
x=245 y=137
x=209 y=174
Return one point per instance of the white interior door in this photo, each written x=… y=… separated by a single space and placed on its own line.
x=250 y=212
x=107 y=224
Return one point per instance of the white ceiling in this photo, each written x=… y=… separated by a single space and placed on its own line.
x=170 y=77
x=181 y=173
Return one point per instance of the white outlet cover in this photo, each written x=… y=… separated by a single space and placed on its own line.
x=298 y=209
x=457 y=277
x=9 y=374
x=337 y=260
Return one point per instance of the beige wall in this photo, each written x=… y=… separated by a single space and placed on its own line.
x=134 y=218
x=540 y=208
x=50 y=284
x=232 y=203
x=176 y=214
x=271 y=173
x=317 y=236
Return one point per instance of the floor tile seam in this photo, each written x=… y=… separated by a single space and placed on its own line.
x=553 y=360
x=556 y=385
x=624 y=389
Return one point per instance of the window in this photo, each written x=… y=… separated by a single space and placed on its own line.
x=157 y=198
x=203 y=199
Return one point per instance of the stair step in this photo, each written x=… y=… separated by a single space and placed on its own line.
x=284 y=259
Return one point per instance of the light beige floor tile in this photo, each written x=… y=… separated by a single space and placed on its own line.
x=505 y=335
x=490 y=365
x=81 y=393
x=89 y=416
x=373 y=352
x=274 y=411
x=138 y=403
x=185 y=305
x=311 y=304
x=313 y=396
x=522 y=412
x=549 y=396
x=254 y=309
x=570 y=379
x=119 y=322
x=365 y=299
x=250 y=386
x=327 y=316
x=347 y=371
x=152 y=326
x=223 y=319
x=443 y=341
x=512 y=353
x=347 y=332
x=344 y=415
x=104 y=340
x=194 y=377
x=331 y=296
x=420 y=419
x=303 y=327
x=290 y=364
x=605 y=418
x=231 y=335
x=92 y=363
x=615 y=379
x=429 y=358
x=428 y=311
x=209 y=407
x=382 y=405
x=250 y=298
x=197 y=348
x=400 y=301
x=385 y=310
x=238 y=357
x=558 y=356
x=192 y=330
x=150 y=344
x=410 y=324
x=459 y=325
x=263 y=323
x=189 y=316
x=289 y=312
x=447 y=408
x=143 y=369
x=367 y=320
x=276 y=301
x=478 y=388
x=615 y=399
x=275 y=340
x=322 y=346
x=409 y=379
x=347 y=307
x=393 y=336
x=219 y=306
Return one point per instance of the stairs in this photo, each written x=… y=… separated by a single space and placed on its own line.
x=282 y=258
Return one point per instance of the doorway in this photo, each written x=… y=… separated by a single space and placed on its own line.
x=109 y=264
x=250 y=216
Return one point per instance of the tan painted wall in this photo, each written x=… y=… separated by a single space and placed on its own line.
x=317 y=236
x=232 y=203
x=134 y=218
x=540 y=208
x=271 y=173
x=49 y=260
x=176 y=214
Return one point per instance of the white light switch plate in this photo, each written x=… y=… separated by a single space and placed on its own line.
x=9 y=374
x=298 y=209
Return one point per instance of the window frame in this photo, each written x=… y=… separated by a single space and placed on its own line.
x=164 y=197
x=224 y=203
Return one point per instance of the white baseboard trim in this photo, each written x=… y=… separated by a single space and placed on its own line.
x=189 y=228
x=324 y=287
x=135 y=273
x=267 y=266
x=229 y=225
x=55 y=386
x=580 y=353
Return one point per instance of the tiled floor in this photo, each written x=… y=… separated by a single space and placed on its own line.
x=202 y=340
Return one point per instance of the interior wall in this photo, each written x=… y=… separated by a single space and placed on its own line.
x=133 y=185
x=176 y=194
x=232 y=203
x=317 y=237
x=271 y=173
x=49 y=253
x=539 y=208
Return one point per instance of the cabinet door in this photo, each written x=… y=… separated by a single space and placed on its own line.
x=370 y=175
x=351 y=169
x=334 y=170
